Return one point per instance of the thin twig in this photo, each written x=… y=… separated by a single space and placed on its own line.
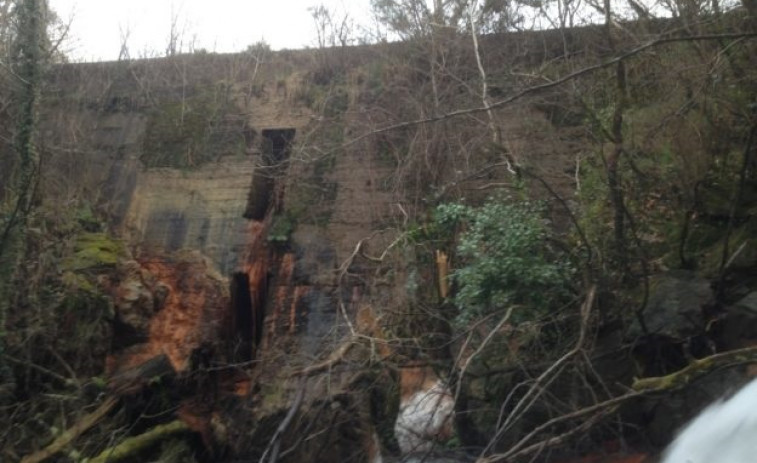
x=481 y=347
x=539 y=384
x=34 y=366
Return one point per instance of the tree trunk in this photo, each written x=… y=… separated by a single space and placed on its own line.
x=27 y=71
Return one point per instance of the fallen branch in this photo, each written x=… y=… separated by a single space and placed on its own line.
x=601 y=409
x=556 y=440
x=695 y=369
x=133 y=445
x=72 y=433
x=50 y=373
x=640 y=387
x=135 y=379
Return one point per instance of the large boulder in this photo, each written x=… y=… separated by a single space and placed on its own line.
x=675 y=305
x=137 y=297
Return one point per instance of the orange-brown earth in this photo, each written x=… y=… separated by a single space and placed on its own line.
x=192 y=310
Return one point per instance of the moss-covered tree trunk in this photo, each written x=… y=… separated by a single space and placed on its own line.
x=27 y=59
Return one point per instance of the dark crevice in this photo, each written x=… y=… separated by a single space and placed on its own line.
x=242 y=313
x=248 y=315
x=258 y=312
x=260 y=196
x=276 y=143
x=249 y=291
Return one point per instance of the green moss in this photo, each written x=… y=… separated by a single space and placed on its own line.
x=592 y=196
x=86 y=219
x=94 y=250
x=176 y=451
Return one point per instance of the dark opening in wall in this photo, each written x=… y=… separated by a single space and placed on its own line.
x=276 y=143
x=260 y=196
x=242 y=323
x=248 y=312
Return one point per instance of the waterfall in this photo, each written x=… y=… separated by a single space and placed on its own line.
x=726 y=432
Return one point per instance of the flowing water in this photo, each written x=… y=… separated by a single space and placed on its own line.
x=725 y=432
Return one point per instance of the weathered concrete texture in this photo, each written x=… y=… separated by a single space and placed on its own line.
x=199 y=209
x=276 y=104
x=361 y=205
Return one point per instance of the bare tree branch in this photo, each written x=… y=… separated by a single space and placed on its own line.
x=554 y=83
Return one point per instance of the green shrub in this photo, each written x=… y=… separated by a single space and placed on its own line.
x=281 y=229
x=506 y=259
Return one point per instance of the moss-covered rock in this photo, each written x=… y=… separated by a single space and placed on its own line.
x=94 y=250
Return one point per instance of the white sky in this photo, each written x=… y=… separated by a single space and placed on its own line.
x=215 y=25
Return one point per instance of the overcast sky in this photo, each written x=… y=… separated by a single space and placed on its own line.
x=97 y=26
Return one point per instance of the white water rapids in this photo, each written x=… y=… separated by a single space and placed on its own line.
x=725 y=432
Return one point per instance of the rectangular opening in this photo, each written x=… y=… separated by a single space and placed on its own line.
x=276 y=143
x=242 y=324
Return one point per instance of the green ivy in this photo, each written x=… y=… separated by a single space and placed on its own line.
x=506 y=259
x=281 y=229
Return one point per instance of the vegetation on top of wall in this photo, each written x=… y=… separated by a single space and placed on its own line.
x=193 y=130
